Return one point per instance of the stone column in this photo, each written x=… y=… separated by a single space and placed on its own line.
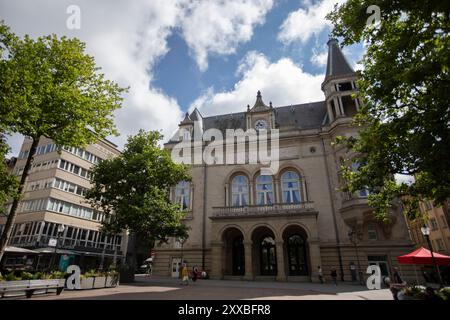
x=276 y=193
x=315 y=260
x=337 y=108
x=216 y=260
x=227 y=195
x=341 y=106
x=330 y=112
x=281 y=272
x=248 y=250
x=250 y=196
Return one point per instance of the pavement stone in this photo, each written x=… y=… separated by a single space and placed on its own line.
x=165 y=288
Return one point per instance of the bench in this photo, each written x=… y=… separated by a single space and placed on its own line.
x=31 y=286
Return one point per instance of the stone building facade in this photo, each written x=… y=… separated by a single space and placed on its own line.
x=246 y=225
x=438 y=220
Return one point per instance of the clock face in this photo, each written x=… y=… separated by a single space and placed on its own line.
x=260 y=124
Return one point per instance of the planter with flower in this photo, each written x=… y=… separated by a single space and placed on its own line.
x=27 y=283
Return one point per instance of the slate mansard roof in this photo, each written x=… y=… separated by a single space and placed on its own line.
x=299 y=116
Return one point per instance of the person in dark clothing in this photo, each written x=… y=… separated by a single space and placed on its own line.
x=194 y=274
x=396 y=276
x=320 y=273
x=396 y=284
x=334 y=276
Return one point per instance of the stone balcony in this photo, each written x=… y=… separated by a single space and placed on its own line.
x=276 y=209
x=354 y=209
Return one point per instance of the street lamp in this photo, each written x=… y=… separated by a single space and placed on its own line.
x=182 y=241
x=60 y=230
x=426 y=232
x=354 y=237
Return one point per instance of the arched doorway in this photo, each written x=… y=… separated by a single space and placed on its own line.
x=296 y=248
x=238 y=256
x=264 y=251
x=234 y=253
x=268 y=256
x=297 y=251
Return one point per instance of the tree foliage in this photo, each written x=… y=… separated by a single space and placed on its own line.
x=50 y=87
x=405 y=86
x=133 y=190
x=8 y=182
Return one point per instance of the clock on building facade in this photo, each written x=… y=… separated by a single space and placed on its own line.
x=260 y=124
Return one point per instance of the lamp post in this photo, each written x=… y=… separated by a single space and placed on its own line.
x=426 y=232
x=354 y=237
x=181 y=240
x=59 y=231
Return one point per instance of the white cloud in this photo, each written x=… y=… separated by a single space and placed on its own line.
x=302 y=24
x=282 y=82
x=127 y=38
x=218 y=27
x=319 y=59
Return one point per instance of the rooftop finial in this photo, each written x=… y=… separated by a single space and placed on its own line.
x=259 y=103
x=332 y=41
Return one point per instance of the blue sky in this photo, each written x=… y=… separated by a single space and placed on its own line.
x=176 y=55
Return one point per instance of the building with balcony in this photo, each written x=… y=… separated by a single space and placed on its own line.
x=54 y=220
x=247 y=224
x=437 y=219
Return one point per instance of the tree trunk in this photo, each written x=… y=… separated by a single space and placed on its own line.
x=6 y=234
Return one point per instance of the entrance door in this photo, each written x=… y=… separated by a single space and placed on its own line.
x=176 y=266
x=268 y=257
x=297 y=256
x=380 y=261
x=238 y=256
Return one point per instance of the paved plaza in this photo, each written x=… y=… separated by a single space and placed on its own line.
x=160 y=288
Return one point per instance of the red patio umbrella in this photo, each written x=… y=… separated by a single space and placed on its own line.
x=423 y=256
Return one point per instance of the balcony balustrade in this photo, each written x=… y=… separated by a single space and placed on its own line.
x=264 y=210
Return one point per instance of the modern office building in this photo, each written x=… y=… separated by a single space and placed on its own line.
x=54 y=220
x=248 y=225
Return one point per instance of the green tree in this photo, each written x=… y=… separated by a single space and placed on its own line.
x=133 y=190
x=405 y=86
x=50 y=87
x=8 y=182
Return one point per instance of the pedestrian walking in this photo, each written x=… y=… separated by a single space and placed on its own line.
x=185 y=275
x=396 y=284
x=319 y=271
x=194 y=274
x=334 y=276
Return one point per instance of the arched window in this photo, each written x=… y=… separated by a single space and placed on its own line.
x=290 y=186
x=264 y=190
x=239 y=191
x=182 y=194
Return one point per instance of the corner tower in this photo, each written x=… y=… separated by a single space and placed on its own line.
x=339 y=84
